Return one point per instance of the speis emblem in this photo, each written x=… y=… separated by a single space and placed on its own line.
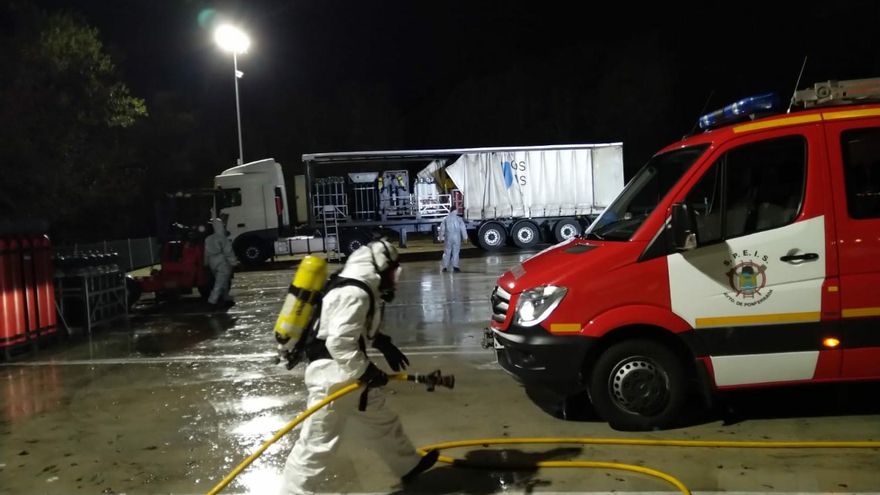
x=747 y=278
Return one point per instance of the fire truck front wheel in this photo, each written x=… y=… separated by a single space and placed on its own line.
x=638 y=385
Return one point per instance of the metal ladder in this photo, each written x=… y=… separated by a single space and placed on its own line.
x=331 y=231
x=839 y=92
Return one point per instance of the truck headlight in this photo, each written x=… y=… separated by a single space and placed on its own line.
x=535 y=305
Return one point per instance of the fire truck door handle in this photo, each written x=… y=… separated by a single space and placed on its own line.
x=799 y=257
x=240 y=225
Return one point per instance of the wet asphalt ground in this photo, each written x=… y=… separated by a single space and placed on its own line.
x=172 y=400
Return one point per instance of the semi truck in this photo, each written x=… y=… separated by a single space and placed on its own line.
x=253 y=199
x=512 y=195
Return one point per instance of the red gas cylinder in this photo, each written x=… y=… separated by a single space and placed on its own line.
x=12 y=323
x=45 y=286
x=29 y=287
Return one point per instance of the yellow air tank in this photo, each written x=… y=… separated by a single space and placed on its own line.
x=304 y=291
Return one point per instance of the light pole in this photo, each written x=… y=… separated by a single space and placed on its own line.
x=232 y=39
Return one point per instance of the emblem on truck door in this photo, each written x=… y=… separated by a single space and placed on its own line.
x=747 y=277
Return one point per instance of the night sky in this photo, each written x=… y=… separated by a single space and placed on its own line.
x=327 y=75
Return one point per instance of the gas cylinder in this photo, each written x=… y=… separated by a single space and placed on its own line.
x=304 y=291
x=12 y=322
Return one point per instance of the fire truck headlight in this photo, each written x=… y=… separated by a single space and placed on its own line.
x=535 y=305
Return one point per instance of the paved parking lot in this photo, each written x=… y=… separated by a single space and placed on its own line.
x=172 y=401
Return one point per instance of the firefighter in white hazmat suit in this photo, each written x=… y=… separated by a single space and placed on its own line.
x=220 y=258
x=453 y=231
x=349 y=321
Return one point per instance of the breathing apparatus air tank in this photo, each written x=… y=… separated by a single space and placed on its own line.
x=304 y=291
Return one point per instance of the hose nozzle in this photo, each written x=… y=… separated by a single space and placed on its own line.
x=432 y=379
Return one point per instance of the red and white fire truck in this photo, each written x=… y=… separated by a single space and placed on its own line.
x=744 y=256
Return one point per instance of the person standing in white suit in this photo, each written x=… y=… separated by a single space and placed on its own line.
x=453 y=232
x=220 y=258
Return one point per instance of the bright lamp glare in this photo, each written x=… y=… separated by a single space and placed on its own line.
x=831 y=342
x=231 y=39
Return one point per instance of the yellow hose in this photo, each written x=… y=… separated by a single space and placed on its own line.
x=643 y=442
x=283 y=431
x=647 y=442
x=558 y=440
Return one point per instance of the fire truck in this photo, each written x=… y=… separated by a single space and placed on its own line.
x=747 y=255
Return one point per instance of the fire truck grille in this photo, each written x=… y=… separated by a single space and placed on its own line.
x=500 y=304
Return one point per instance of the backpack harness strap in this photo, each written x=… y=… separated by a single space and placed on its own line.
x=317 y=348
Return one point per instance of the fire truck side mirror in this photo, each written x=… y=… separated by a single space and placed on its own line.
x=683 y=227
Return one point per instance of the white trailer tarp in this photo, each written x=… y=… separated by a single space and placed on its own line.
x=538 y=183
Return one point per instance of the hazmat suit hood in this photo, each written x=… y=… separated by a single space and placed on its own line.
x=219 y=226
x=359 y=266
x=367 y=263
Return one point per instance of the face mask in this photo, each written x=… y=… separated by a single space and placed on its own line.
x=387 y=295
x=388 y=277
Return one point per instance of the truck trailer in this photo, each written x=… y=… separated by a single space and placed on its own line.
x=525 y=195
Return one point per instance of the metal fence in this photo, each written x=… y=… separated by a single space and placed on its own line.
x=133 y=253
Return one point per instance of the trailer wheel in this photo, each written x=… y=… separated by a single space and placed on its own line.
x=638 y=385
x=252 y=251
x=525 y=234
x=352 y=240
x=491 y=236
x=566 y=228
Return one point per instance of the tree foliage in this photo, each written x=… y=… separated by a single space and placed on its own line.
x=65 y=125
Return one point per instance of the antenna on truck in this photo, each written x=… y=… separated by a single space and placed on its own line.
x=796 y=84
x=703 y=111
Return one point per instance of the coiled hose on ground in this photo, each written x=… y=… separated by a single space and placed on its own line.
x=550 y=440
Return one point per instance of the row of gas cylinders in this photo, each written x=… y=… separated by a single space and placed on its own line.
x=98 y=272
x=27 y=290
x=86 y=264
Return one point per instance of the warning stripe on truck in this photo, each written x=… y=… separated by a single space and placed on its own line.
x=721 y=321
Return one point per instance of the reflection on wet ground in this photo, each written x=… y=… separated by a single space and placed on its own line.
x=172 y=401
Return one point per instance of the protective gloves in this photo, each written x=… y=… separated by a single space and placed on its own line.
x=397 y=360
x=373 y=377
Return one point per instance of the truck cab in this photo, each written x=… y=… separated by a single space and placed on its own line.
x=744 y=256
x=253 y=199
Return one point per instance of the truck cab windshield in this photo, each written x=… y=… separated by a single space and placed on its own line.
x=642 y=194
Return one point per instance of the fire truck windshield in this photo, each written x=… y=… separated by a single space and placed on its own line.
x=642 y=194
